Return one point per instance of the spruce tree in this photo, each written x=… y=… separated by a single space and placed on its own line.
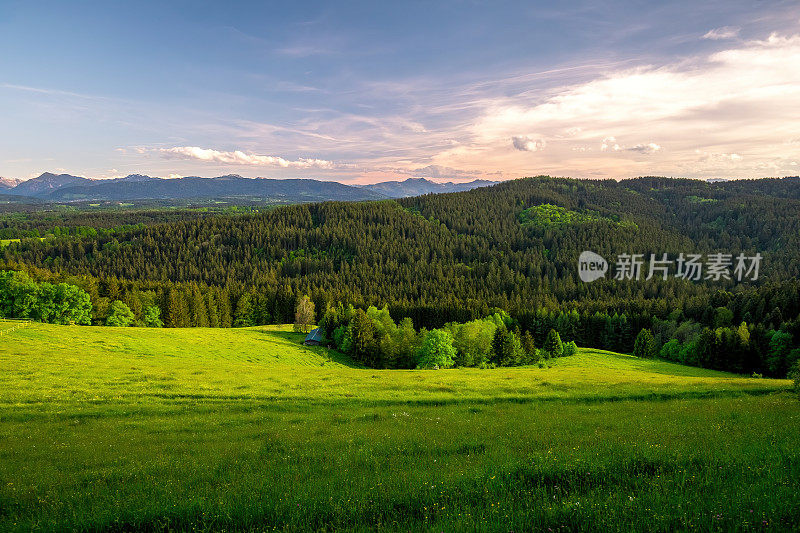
x=529 y=347
x=243 y=317
x=644 y=346
x=553 y=346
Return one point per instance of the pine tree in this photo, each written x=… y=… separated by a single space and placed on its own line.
x=211 y=309
x=644 y=345
x=199 y=313
x=553 y=346
x=224 y=307
x=243 y=317
x=177 y=314
x=507 y=348
x=529 y=347
x=134 y=303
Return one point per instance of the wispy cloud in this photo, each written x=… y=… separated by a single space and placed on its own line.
x=610 y=144
x=725 y=32
x=440 y=172
x=50 y=92
x=304 y=50
x=238 y=157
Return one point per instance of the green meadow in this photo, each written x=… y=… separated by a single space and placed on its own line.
x=247 y=430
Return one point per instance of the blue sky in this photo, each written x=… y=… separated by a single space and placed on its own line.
x=368 y=91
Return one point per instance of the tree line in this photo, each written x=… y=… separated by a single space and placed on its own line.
x=439 y=259
x=374 y=339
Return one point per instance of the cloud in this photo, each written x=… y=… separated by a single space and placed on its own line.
x=735 y=104
x=50 y=92
x=717 y=157
x=528 y=144
x=437 y=171
x=736 y=101
x=303 y=50
x=649 y=148
x=239 y=157
x=610 y=143
x=725 y=32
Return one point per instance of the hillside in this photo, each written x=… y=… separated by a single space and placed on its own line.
x=455 y=258
x=407 y=254
x=269 y=363
x=244 y=429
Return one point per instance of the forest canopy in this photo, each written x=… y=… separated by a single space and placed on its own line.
x=446 y=258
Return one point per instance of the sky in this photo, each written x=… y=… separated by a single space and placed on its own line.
x=362 y=92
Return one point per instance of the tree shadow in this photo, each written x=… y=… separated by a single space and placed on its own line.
x=295 y=339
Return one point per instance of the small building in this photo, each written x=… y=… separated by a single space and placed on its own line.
x=314 y=337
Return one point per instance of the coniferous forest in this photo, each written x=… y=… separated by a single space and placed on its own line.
x=441 y=262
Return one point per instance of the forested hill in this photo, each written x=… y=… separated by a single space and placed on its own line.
x=558 y=218
x=446 y=257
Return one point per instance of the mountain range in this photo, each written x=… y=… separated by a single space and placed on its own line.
x=420 y=186
x=8 y=183
x=68 y=188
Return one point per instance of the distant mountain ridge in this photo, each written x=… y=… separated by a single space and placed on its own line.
x=419 y=186
x=68 y=188
x=46 y=183
x=8 y=183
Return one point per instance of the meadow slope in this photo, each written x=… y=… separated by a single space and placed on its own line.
x=46 y=363
x=247 y=430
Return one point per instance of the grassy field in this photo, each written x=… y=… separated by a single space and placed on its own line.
x=6 y=242
x=203 y=429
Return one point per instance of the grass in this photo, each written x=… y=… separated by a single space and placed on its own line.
x=6 y=242
x=123 y=428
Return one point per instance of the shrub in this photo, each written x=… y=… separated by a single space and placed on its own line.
x=794 y=375
x=437 y=350
x=671 y=350
x=152 y=317
x=21 y=297
x=121 y=315
x=570 y=348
